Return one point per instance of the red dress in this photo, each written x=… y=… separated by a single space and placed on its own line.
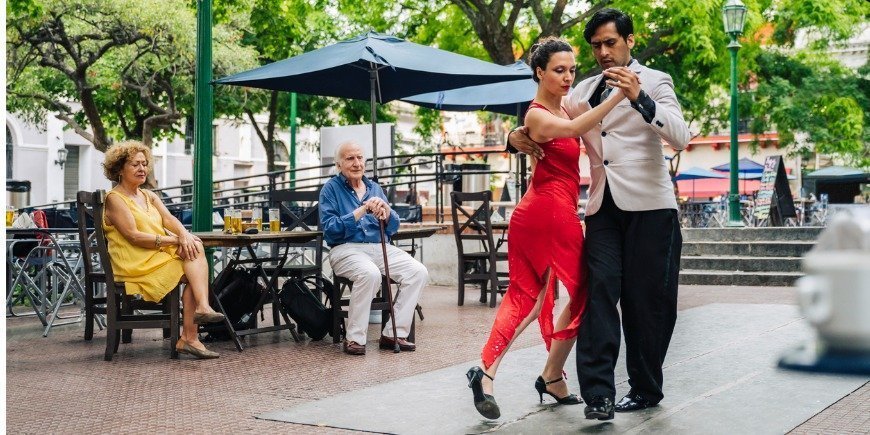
x=545 y=232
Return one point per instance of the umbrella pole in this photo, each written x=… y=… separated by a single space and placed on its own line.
x=372 y=79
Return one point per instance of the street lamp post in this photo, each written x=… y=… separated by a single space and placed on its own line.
x=734 y=16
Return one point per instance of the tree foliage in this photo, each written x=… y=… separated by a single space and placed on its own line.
x=130 y=64
x=813 y=95
x=685 y=38
x=109 y=69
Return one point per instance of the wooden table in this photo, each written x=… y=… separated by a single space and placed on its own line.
x=247 y=241
x=415 y=231
x=215 y=239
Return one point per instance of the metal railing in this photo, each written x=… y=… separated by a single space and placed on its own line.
x=410 y=170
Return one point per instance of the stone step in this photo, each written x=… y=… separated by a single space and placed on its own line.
x=751 y=234
x=748 y=249
x=719 y=277
x=741 y=263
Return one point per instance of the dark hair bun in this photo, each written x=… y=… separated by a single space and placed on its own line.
x=539 y=54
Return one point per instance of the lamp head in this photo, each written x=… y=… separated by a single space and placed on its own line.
x=734 y=17
x=61 y=157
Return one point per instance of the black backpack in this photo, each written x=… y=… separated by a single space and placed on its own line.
x=301 y=299
x=239 y=293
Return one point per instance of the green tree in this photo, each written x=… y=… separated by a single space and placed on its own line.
x=809 y=93
x=110 y=69
x=683 y=38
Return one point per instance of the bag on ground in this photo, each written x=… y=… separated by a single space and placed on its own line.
x=239 y=293
x=301 y=300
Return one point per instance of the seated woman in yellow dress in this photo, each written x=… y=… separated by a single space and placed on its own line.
x=150 y=250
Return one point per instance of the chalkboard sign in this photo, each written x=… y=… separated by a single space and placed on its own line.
x=774 y=201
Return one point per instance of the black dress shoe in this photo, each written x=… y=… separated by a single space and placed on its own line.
x=633 y=402
x=484 y=403
x=600 y=408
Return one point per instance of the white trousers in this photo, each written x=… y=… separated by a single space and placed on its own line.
x=363 y=263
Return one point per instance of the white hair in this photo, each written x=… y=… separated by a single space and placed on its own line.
x=338 y=152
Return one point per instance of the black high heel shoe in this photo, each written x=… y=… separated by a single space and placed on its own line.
x=541 y=386
x=484 y=403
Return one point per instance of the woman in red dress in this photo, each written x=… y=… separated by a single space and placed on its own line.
x=546 y=236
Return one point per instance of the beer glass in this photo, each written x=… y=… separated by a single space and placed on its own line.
x=237 y=221
x=257 y=218
x=228 y=220
x=274 y=220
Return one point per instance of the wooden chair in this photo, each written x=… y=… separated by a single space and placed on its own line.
x=121 y=310
x=379 y=302
x=476 y=225
x=299 y=210
x=93 y=304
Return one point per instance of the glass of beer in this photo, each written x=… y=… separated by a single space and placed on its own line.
x=274 y=220
x=257 y=218
x=228 y=220
x=237 y=221
x=10 y=215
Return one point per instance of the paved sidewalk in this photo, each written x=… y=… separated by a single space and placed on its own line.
x=61 y=383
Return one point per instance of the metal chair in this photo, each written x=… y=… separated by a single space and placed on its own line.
x=476 y=225
x=121 y=309
x=300 y=210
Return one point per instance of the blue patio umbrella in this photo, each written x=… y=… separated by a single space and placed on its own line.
x=375 y=67
x=508 y=98
x=744 y=166
x=696 y=173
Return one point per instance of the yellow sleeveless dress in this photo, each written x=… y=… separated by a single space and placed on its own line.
x=149 y=272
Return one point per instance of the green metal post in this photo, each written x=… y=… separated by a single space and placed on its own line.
x=292 y=140
x=734 y=217
x=202 y=154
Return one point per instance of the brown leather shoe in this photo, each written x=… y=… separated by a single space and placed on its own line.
x=205 y=318
x=185 y=347
x=353 y=348
x=404 y=345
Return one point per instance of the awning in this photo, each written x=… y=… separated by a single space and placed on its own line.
x=712 y=187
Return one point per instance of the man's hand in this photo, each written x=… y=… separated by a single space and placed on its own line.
x=519 y=138
x=378 y=207
x=624 y=78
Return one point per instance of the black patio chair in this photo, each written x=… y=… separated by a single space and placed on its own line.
x=477 y=266
x=122 y=311
x=379 y=302
x=94 y=278
x=299 y=210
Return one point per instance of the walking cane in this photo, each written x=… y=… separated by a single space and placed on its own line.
x=389 y=287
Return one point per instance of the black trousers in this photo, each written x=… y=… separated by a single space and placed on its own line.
x=633 y=259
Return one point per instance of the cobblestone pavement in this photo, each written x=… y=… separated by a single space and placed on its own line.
x=61 y=383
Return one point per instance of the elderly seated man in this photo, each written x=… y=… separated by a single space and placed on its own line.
x=350 y=206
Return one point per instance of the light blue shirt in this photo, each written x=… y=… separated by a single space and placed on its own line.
x=337 y=203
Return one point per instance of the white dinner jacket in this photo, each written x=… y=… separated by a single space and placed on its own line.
x=625 y=151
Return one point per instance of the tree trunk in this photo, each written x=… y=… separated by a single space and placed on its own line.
x=89 y=106
x=267 y=137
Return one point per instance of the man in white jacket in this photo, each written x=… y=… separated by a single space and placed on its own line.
x=633 y=239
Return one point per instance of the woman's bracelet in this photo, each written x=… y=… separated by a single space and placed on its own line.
x=157 y=240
